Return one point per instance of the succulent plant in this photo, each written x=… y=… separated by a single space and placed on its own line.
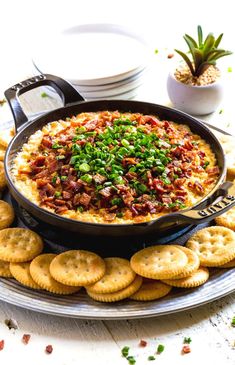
x=204 y=53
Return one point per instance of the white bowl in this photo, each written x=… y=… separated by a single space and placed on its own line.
x=197 y=100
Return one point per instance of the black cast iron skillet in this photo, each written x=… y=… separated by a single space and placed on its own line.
x=217 y=202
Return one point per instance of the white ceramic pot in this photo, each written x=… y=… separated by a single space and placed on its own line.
x=197 y=100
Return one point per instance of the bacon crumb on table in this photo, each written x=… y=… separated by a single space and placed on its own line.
x=2 y=343
x=48 y=349
x=26 y=338
x=143 y=343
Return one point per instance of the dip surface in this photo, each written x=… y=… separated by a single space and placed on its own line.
x=113 y=167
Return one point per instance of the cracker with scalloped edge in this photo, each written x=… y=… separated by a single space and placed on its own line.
x=214 y=245
x=20 y=272
x=6 y=136
x=120 y=294
x=77 y=267
x=3 y=182
x=39 y=270
x=197 y=278
x=227 y=219
x=192 y=264
x=19 y=244
x=2 y=152
x=159 y=262
x=151 y=290
x=228 y=143
x=118 y=275
x=228 y=265
x=6 y=214
x=4 y=269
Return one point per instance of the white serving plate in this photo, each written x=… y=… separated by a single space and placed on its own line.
x=93 y=54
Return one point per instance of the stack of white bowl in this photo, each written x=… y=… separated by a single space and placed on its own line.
x=103 y=61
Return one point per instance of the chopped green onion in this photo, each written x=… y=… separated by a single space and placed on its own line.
x=125 y=351
x=125 y=143
x=206 y=164
x=80 y=130
x=56 y=145
x=131 y=360
x=166 y=180
x=60 y=157
x=151 y=358
x=233 y=321
x=160 y=349
x=84 y=167
x=63 y=178
x=119 y=214
x=80 y=209
x=116 y=201
x=87 y=178
x=142 y=188
x=57 y=194
x=53 y=180
x=108 y=183
x=44 y=95
x=119 y=180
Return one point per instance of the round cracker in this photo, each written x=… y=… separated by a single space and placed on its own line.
x=151 y=290
x=77 y=267
x=118 y=275
x=2 y=153
x=119 y=295
x=159 y=262
x=214 y=245
x=3 y=181
x=6 y=137
x=39 y=270
x=198 y=278
x=192 y=264
x=19 y=244
x=20 y=272
x=228 y=265
x=4 y=269
x=6 y=214
x=227 y=219
x=228 y=143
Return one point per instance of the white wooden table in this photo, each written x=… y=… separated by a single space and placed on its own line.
x=100 y=342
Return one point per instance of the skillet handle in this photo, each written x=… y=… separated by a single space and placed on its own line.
x=217 y=204
x=66 y=91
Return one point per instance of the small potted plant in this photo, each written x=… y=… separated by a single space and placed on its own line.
x=195 y=86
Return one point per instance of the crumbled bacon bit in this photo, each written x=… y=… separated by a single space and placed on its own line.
x=186 y=349
x=48 y=349
x=143 y=343
x=26 y=338
x=2 y=343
